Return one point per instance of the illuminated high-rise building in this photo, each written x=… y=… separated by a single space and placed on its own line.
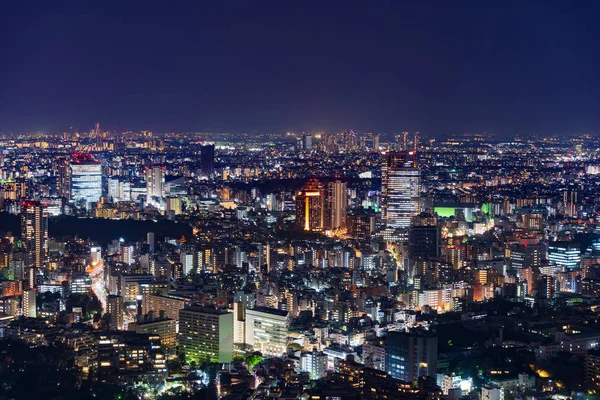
x=401 y=188
x=29 y=303
x=86 y=179
x=206 y=334
x=310 y=202
x=155 y=182
x=336 y=203
x=34 y=232
x=207 y=160
x=114 y=307
x=63 y=176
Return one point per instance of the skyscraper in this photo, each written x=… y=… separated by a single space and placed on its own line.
x=155 y=182
x=310 y=203
x=63 y=176
x=336 y=203
x=207 y=160
x=400 y=188
x=86 y=179
x=34 y=232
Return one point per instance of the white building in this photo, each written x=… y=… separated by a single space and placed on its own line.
x=86 y=180
x=267 y=330
x=155 y=182
x=314 y=363
x=491 y=392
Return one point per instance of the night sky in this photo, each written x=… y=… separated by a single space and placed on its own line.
x=255 y=66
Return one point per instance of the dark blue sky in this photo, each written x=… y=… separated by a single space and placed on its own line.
x=239 y=66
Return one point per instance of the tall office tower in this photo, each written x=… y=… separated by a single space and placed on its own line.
x=114 y=307
x=310 y=203
x=63 y=176
x=155 y=182
x=206 y=334
x=424 y=237
x=267 y=330
x=29 y=303
x=411 y=355
x=34 y=232
x=207 y=160
x=86 y=179
x=400 y=188
x=570 y=202
x=336 y=203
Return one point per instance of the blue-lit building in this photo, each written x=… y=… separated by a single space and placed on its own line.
x=564 y=255
x=411 y=355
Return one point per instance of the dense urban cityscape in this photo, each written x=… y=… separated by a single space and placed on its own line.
x=299 y=200
x=299 y=266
